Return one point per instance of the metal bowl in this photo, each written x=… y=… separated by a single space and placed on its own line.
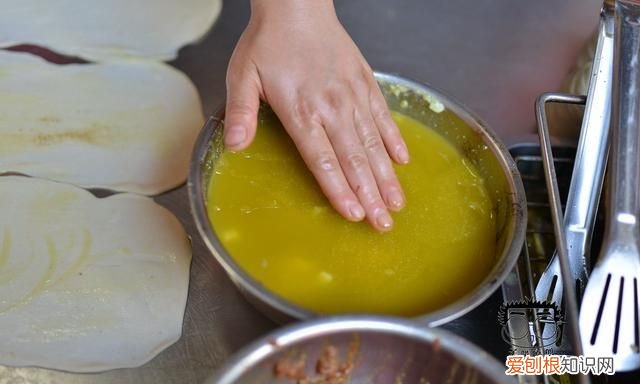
x=472 y=138
x=379 y=350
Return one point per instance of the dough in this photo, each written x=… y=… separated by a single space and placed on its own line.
x=107 y=30
x=87 y=284
x=126 y=126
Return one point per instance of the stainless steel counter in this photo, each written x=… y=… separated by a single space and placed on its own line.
x=494 y=56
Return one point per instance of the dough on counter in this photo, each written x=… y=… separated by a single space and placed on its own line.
x=126 y=126
x=87 y=284
x=107 y=30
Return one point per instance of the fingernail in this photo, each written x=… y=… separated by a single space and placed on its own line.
x=235 y=136
x=383 y=219
x=356 y=211
x=395 y=199
x=402 y=154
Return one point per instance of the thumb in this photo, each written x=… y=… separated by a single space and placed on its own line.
x=241 y=115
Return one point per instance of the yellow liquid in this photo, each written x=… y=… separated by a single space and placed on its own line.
x=271 y=216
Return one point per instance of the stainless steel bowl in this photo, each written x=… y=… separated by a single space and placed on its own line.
x=383 y=350
x=456 y=124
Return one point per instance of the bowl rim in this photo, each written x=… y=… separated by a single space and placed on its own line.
x=456 y=309
x=264 y=347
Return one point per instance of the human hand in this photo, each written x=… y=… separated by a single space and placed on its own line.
x=296 y=56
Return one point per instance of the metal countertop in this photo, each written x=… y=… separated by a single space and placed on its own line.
x=494 y=56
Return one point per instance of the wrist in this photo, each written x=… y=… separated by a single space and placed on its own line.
x=287 y=9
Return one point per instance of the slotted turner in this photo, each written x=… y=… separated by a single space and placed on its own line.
x=586 y=185
x=609 y=317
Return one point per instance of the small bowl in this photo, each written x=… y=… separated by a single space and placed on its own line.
x=378 y=350
x=465 y=132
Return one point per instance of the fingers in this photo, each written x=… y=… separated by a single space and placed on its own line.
x=355 y=161
x=243 y=102
x=379 y=161
x=317 y=152
x=344 y=146
x=393 y=141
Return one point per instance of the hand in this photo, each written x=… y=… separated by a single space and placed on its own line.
x=296 y=56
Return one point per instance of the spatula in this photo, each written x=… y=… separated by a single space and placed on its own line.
x=586 y=185
x=609 y=317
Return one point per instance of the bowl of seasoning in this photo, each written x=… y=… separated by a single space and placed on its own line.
x=361 y=349
x=263 y=217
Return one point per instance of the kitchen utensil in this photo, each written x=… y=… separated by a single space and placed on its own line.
x=585 y=188
x=609 y=316
x=454 y=123
x=556 y=213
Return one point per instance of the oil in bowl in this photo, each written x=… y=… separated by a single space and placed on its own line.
x=272 y=218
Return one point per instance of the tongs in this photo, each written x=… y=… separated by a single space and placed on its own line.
x=609 y=317
x=585 y=188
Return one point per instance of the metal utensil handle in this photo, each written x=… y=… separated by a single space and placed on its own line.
x=556 y=210
x=591 y=155
x=625 y=121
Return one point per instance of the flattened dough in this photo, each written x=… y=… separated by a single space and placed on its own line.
x=107 y=30
x=87 y=284
x=126 y=126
